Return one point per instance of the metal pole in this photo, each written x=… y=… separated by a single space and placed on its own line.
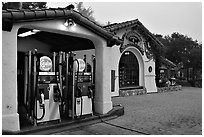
x=54 y=61
x=67 y=85
x=73 y=89
x=85 y=70
x=94 y=67
x=63 y=56
x=29 y=84
x=35 y=84
x=60 y=70
x=25 y=78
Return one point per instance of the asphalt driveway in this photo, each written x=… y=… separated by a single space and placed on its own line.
x=169 y=113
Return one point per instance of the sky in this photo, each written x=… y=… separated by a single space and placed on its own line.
x=158 y=17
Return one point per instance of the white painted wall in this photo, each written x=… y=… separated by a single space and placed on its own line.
x=10 y=119
x=114 y=57
x=103 y=98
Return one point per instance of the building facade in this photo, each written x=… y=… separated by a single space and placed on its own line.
x=122 y=52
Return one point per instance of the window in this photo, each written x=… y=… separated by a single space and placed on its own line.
x=128 y=70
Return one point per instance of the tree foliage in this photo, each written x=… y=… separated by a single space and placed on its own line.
x=87 y=12
x=182 y=49
x=34 y=5
x=24 y=5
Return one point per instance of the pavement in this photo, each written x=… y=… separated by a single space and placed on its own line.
x=167 y=113
x=67 y=124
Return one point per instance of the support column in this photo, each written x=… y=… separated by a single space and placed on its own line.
x=102 y=100
x=10 y=118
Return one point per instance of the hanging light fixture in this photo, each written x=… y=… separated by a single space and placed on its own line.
x=69 y=22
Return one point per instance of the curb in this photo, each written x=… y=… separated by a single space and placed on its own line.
x=65 y=125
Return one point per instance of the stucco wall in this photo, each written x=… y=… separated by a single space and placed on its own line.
x=10 y=119
x=114 y=57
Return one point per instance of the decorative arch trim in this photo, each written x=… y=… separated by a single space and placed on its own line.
x=133 y=39
x=124 y=47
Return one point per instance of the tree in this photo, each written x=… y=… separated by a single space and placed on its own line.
x=11 y=5
x=23 y=5
x=182 y=49
x=87 y=12
x=195 y=61
x=34 y=5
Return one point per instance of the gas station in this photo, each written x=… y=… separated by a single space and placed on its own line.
x=58 y=65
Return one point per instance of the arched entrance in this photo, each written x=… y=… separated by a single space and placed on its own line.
x=128 y=70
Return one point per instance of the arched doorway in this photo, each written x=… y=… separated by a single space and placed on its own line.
x=128 y=70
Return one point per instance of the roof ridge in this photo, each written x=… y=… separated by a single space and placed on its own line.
x=117 y=26
x=119 y=23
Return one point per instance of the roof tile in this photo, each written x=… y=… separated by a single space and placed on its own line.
x=40 y=14
x=50 y=13
x=29 y=14
x=18 y=15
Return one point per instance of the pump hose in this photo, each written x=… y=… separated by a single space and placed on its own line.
x=36 y=110
x=34 y=116
x=77 y=85
x=41 y=116
x=35 y=98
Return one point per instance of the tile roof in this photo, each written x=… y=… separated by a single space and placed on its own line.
x=117 y=26
x=11 y=16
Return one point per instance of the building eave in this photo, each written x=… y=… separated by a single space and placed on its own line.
x=10 y=16
x=168 y=62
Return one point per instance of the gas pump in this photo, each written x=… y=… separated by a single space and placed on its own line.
x=71 y=82
x=48 y=92
x=57 y=88
x=83 y=93
x=43 y=96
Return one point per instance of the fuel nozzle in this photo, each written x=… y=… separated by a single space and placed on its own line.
x=42 y=100
x=79 y=91
x=57 y=95
x=90 y=93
